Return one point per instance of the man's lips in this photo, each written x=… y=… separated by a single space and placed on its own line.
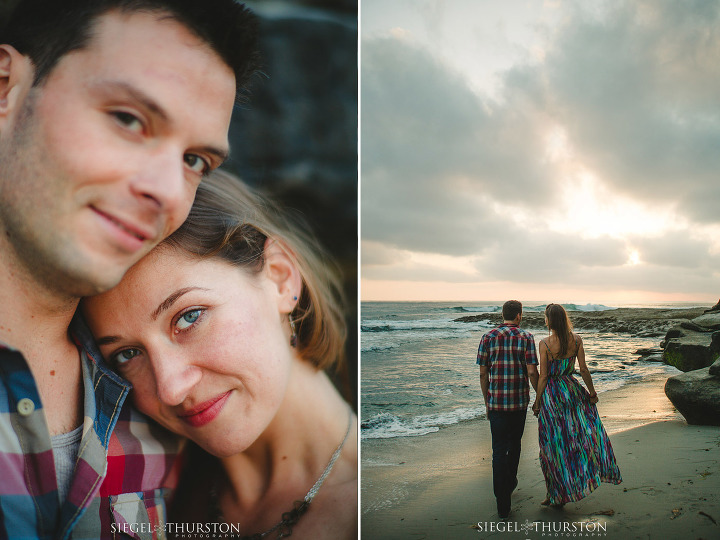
x=139 y=232
x=205 y=412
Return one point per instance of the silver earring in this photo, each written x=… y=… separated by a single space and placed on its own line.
x=293 y=335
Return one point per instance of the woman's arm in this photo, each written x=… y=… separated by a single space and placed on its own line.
x=543 y=377
x=584 y=371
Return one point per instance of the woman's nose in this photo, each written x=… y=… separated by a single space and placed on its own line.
x=174 y=378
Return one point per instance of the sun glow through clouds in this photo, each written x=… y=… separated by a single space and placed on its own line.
x=593 y=211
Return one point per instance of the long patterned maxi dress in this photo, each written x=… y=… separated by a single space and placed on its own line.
x=575 y=451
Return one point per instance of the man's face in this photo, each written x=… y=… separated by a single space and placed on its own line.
x=101 y=162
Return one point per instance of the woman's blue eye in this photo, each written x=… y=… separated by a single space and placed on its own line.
x=188 y=319
x=124 y=356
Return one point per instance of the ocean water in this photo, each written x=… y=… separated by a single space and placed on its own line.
x=418 y=367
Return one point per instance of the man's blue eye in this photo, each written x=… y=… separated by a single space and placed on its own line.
x=188 y=319
x=124 y=356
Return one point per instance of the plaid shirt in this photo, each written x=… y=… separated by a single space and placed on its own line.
x=506 y=351
x=124 y=467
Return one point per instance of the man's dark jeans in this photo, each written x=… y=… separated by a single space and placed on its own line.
x=507 y=429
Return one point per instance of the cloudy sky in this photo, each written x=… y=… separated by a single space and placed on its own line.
x=553 y=151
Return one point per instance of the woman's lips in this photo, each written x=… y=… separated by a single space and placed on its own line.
x=205 y=412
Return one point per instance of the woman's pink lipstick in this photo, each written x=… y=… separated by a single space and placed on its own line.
x=205 y=412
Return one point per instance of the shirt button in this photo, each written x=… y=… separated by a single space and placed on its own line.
x=25 y=407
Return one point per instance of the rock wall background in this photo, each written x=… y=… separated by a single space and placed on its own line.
x=297 y=136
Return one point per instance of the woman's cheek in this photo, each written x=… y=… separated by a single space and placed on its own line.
x=145 y=398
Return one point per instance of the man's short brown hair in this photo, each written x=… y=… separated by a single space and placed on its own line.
x=511 y=309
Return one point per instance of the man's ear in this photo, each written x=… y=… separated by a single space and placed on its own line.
x=16 y=75
x=281 y=270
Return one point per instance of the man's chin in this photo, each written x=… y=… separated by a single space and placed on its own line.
x=94 y=279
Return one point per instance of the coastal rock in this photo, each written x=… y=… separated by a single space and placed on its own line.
x=696 y=395
x=715 y=368
x=691 y=352
x=709 y=321
x=695 y=346
x=689 y=325
x=647 y=351
x=674 y=333
x=640 y=322
x=716 y=307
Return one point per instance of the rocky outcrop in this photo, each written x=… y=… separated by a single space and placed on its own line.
x=696 y=394
x=695 y=344
x=640 y=322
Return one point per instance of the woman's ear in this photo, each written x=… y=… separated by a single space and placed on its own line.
x=16 y=77
x=281 y=270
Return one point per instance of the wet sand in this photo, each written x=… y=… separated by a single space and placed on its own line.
x=439 y=486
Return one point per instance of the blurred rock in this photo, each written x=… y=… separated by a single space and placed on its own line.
x=296 y=137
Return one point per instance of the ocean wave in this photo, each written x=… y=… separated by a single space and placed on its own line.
x=379 y=347
x=372 y=326
x=529 y=308
x=387 y=426
x=588 y=307
x=472 y=309
x=382 y=341
x=378 y=328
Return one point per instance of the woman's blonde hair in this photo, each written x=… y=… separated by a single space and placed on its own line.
x=232 y=221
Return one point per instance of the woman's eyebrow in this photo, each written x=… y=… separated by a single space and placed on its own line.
x=107 y=340
x=171 y=299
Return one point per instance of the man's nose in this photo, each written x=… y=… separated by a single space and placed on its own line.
x=162 y=184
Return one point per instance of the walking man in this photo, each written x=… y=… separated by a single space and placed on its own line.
x=507 y=359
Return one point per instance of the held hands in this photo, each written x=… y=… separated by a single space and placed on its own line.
x=593 y=398
x=536 y=408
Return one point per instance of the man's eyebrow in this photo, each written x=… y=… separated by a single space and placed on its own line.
x=221 y=154
x=170 y=300
x=135 y=93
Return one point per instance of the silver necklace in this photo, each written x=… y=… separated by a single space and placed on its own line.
x=289 y=519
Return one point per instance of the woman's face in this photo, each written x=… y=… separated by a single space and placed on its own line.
x=205 y=344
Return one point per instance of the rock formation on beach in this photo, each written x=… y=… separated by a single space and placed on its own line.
x=692 y=347
x=693 y=344
x=696 y=394
x=640 y=322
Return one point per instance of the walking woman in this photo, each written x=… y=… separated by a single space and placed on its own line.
x=575 y=451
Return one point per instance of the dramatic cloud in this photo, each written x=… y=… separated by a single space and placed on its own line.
x=594 y=163
x=638 y=90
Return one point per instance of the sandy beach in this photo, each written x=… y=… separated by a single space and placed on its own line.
x=439 y=485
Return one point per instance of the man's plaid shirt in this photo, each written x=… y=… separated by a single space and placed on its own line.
x=506 y=351
x=124 y=467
